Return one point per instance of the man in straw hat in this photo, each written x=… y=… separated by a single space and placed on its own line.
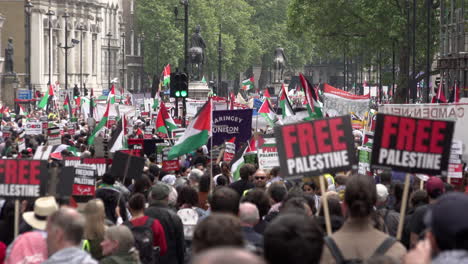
x=31 y=247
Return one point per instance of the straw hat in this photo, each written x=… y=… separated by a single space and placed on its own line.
x=43 y=207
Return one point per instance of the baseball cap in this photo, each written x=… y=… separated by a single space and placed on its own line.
x=448 y=220
x=435 y=187
x=160 y=191
x=382 y=192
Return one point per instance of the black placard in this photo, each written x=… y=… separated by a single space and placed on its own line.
x=316 y=147
x=23 y=178
x=412 y=144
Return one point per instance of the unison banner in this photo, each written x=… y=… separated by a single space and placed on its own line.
x=412 y=145
x=232 y=123
x=339 y=102
x=316 y=147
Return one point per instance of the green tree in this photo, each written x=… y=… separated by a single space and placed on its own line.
x=365 y=28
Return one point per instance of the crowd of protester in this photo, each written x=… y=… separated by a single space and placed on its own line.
x=199 y=214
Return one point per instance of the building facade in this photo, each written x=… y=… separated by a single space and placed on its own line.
x=453 y=53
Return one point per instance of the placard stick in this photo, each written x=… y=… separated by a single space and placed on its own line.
x=449 y=180
x=17 y=212
x=325 y=205
x=403 y=206
x=421 y=184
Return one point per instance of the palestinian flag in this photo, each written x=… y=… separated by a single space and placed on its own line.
x=267 y=112
x=456 y=93
x=232 y=101
x=45 y=99
x=100 y=126
x=440 y=97
x=266 y=94
x=167 y=75
x=118 y=139
x=22 y=112
x=66 y=105
x=196 y=134
x=157 y=97
x=164 y=121
x=285 y=104
x=111 y=96
x=314 y=106
x=248 y=84
x=238 y=161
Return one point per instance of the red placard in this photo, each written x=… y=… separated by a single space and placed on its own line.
x=83 y=190
x=170 y=165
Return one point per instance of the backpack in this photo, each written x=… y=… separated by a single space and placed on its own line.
x=144 y=241
x=336 y=253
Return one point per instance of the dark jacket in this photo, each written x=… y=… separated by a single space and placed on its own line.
x=241 y=186
x=252 y=237
x=110 y=196
x=173 y=229
x=126 y=258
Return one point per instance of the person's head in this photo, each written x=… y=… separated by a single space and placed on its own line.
x=382 y=194
x=309 y=187
x=225 y=168
x=94 y=213
x=419 y=198
x=293 y=238
x=260 y=179
x=360 y=196
x=194 y=177
x=334 y=206
x=340 y=180
x=448 y=222
x=136 y=204
x=217 y=230
x=184 y=171
x=218 y=256
x=204 y=185
x=386 y=177
x=65 y=229
x=277 y=192
x=117 y=239
x=225 y=200
x=247 y=171
x=275 y=172
x=435 y=187
x=296 y=205
x=188 y=196
x=142 y=185
x=108 y=178
x=260 y=199
x=159 y=193
x=248 y=214
x=43 y=207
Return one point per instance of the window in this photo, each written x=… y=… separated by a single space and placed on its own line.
x=132 y=42
x=139 y=82
x=139 y=46
x=132 y=7
x=132 y=81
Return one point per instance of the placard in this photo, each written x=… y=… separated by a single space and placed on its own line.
x=53 y=136
x=23 y=178
x=229 y=151
x=169 y=165
x=232 y=123
x=267 y=153
x=316 y=147
x=412 y=145
x=33 y=128
x=84 y=183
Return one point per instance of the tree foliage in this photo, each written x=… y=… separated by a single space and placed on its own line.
x=365 y=28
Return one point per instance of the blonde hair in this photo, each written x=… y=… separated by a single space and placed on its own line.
x=94 y=212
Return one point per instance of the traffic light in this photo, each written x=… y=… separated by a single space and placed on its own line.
x=183 y=85
x=85 y=91
x=173 y=84
x=76 y=91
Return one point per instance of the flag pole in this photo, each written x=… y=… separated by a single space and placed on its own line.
x=211 y=147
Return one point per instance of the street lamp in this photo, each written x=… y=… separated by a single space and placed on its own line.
x=123 y=59
x=109 y=35
x=49 y=14
x=81 y=28
x=157 y=38
x=142 y=39
x=66 y=47
x=185 y=3
x=28 y=10
x=220 y=53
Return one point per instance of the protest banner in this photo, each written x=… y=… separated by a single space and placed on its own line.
x=6 y=131
x=169 y=165
x=33 y=128
x=364 y=154
x=342 y=103
x=23 y=178
x=267 y=153
x=65 y=182
x=126 y=167
x=229 y=151
x=148 y=133
x=84 y=183
x=412 y=145
x=136 y=144
x=53 y=136
x=71 y=128
x=97 y=164
x=454 y=112
x=316 y=147
x=232 y=123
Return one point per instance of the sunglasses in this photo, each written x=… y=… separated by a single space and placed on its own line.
x=260 y=177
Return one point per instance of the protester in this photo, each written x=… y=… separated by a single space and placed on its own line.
x=31 y=247
x=260 y=180
x=148 y=232
x=118 y=246
x=188 y=198
x=261 y=200
x=112 y=197
x=203 y=190
x=95 y=228
x=218 y=256
x=194 y=178
x=217 y=230
x=311 y=189
x=389 y=216
x=224 y=200
x=249 y=217
x=171 y=223
x=65 y=229
x=245 y=183
x=277 y=192
x=334 y=210
x=293 y=238
x=356 y=239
